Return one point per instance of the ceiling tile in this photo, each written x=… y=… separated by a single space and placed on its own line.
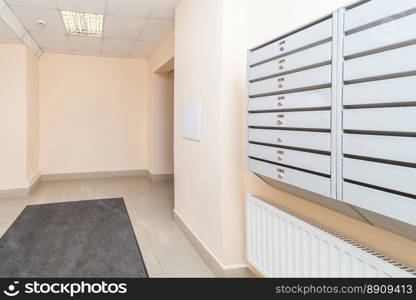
x=30 y=43
x=117 y=47
x=130 y=8
x=6 y=33
x=122 y=27
x=85 y=44
x=34 y=3
x=29 y=17
x=143 y=49
x=91 y=6
x=52 y=41
x=86 y=53
x=155 y=30
x=164 y=9
x=7 y=41
x=13 y=22
x=115 y=55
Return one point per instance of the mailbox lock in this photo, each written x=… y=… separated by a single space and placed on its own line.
x=280 y=80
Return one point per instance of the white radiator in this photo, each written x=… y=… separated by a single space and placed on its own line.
x=282 y=245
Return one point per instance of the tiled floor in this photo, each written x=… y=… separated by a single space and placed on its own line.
x=166 y=251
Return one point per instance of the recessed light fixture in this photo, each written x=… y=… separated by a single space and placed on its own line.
x=79 y=23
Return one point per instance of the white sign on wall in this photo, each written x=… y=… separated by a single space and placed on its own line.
x=191 y=119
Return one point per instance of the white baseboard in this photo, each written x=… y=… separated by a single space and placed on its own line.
x=161 y=177
x=25 y=191
x=34 y=181
x=21 y=192
x=14 y=193
x=92 y=175
x=210 y=259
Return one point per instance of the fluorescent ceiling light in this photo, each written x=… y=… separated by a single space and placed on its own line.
x=78 y=23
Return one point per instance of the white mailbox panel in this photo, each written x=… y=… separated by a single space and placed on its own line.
x=394 y=62
x=393 y=119
x=388 y=204
x=394 y=148
x=332 y=108
x=307 y=181
x=297 y=139
x=310 y=99
x=298 y=119
x=304 y=160
x=391 y=91
x=289 y=108
x=387 y=176
x=313 y=56
x=317 y=77
x=309 y=36
x=374 y=11
x=378 y=154
x=399 y=31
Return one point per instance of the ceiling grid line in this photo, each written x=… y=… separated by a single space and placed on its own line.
x=142 y=28
x=11 y=26
x=66 y=34
x=105 y=14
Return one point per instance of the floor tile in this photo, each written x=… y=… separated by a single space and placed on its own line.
x=165 y=250
x=181 y=260
x=149 y=256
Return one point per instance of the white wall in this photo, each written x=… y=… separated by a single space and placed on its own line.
x=93 y=114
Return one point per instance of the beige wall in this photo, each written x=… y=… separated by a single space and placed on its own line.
x=208 y=174
x=161 y=123
x=32 y=116
x=13 y=129
x=19 y=116
x=163 y=53
x=210 y=61
x=161 y=79
x=197 y=68
x=232 y=154
x=266 y=20
x=93 y=114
